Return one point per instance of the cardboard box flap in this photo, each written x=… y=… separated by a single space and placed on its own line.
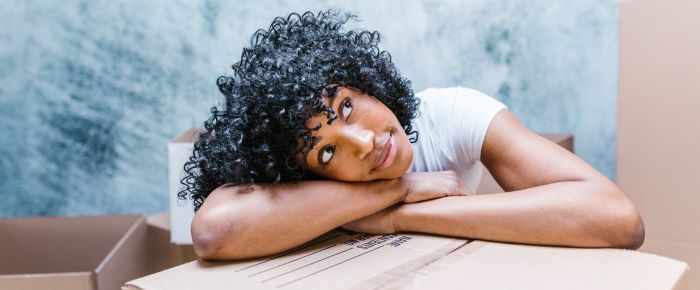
x=189 y=136
x=127 y=260
x=69 y=253
x=163 y=253
x=159 y=220
x=41 y=245
x=53 y=281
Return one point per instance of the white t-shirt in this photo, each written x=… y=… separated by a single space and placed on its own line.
x=452 y=125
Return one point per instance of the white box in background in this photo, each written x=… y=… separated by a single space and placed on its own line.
x=181 y=211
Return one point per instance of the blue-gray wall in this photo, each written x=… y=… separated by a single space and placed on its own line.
x=91 y=91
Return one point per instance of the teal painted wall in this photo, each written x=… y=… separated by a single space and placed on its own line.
x=91 y=91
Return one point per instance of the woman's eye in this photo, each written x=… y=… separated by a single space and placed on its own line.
x=327 y=154
x=347 y=109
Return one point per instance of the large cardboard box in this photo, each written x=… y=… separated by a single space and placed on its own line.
x=347 y=260
x=163 y=254
x=181 y=211
x=72 y=253
x=658 y=127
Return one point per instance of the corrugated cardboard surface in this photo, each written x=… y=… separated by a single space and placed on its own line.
x=426 y=262
x=659 y=125
x=509 y=266
x=72 y=253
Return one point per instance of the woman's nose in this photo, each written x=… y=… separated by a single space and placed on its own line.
x=361 y=141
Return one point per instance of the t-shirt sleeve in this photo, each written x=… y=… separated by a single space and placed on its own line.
x=461 y=117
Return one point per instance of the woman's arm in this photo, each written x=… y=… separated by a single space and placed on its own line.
x=570 y=213
x=237 y=222
x=552 y=198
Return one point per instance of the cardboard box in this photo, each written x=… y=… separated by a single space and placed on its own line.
x=347 y=260
x=162 y=253
x=181 y=212
x=658 y=131
x=100 y=252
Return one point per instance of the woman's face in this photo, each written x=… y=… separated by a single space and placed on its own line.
x=365 y=142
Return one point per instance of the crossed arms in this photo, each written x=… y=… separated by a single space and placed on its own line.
x=552 y=198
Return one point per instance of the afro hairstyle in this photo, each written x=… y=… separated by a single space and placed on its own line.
x=276 y=87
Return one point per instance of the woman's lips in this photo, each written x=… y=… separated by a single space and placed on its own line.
x=388 y=154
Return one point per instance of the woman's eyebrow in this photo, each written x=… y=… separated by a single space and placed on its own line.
x=330 y=112
x=314 y=148
x=332 y=98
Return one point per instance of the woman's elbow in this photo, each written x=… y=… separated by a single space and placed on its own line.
x=218 y=226
x=206 y=242
x=635 y=235
x=212 y=240
x=629 y=230
x=206 y=245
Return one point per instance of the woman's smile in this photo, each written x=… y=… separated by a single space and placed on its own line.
x=388 y=154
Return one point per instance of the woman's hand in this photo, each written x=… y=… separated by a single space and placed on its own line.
x=381 y=222
x=424 y=186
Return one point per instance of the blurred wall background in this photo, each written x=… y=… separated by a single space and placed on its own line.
x=92 y=91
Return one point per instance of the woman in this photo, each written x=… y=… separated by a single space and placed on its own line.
x=319 y=130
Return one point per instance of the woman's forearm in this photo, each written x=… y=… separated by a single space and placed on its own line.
x=242 y=222
x=575 y=213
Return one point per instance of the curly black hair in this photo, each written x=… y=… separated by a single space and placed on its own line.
x=279 y=84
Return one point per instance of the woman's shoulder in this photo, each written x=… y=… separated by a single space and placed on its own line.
x=442 y=93
x=455 y=98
